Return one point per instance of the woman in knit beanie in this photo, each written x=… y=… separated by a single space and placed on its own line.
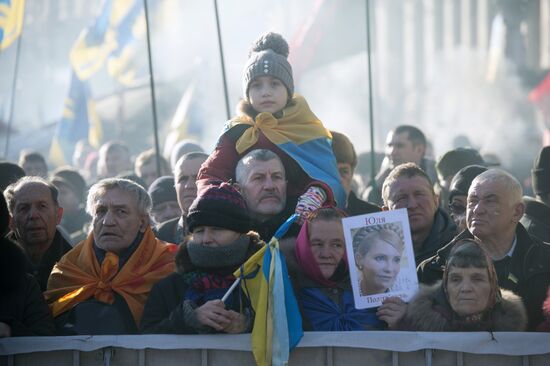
x=189 y=300
x=272 y=117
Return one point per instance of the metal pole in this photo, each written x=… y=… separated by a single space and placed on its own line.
x=14 y=85
x=152 y=87
x=220 y=45
x=371 y=104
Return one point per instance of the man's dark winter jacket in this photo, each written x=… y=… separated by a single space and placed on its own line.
x=443 y=231
x=536 y=219
x=22 y=305
x=42 y=271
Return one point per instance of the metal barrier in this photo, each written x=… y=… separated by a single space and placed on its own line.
x=316 y=348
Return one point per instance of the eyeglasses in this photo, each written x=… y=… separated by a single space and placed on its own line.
x=456 y=209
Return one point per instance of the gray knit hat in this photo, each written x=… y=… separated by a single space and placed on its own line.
x=268 y=57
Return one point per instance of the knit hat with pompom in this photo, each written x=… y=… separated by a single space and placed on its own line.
x=268 y=57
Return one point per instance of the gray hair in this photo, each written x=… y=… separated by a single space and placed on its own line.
x=511 y=184
x=242 y=169
x=12 y=189
x=140 y=194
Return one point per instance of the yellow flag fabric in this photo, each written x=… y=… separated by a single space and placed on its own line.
x=298 y=124
x=11 y=21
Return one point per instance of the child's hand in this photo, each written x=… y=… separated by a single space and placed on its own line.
x=310 y=201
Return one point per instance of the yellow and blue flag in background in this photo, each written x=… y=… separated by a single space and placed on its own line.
x=11 y=21
x=111 y=38
x=108 y=38
x=277 y=324
x=79 y=121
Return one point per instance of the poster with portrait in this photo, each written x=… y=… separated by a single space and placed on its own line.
x=381 y=257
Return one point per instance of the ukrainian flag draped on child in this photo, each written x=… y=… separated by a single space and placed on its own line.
x=301 y=135
x=277 y=324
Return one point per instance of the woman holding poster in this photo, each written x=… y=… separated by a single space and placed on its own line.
x=378 y=258
x=320 y=274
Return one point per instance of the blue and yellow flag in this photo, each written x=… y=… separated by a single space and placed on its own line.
x=110 y=39
x=277 y=323
x=79 y=121
x=11 y=21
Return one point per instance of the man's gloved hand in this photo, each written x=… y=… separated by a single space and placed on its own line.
x=310 y=201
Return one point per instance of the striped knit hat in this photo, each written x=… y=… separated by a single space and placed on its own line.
x=220 y=206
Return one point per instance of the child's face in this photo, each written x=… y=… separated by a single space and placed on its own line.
x=267 y=94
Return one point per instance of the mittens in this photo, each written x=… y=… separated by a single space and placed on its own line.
x=311 y=200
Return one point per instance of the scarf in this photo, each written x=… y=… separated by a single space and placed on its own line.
x=230 y=255
x=78 y=276
x=301 y=135
x=308 y=264
x=325 y=315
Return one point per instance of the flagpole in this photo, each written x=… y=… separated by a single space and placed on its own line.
x=220 y=46
x=371 y=104
x=14 y=84
x=152 y=87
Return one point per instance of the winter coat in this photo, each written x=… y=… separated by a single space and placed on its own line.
x=171 y=231
x=526 y=273
x=53 y=254
x=172 y=301
x=429 y=311
x=356 y=206
x=536 y=219
x=94 y=291
x=222 y=162
x=267 y=228
x=442 y=232
x=22 y=306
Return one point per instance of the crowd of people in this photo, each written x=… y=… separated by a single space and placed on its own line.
x=123 y=245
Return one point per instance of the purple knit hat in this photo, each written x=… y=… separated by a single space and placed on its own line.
x=220 y=206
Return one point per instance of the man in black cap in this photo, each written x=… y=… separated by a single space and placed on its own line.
x=165 y=201
x=449 y=164
x=537 y=210
x=458 y=193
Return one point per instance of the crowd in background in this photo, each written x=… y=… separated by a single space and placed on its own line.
x=122 y=244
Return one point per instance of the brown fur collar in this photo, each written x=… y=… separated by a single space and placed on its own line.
x=508 y=315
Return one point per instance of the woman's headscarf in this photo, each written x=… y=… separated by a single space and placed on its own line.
x=304 y=255
x=469 y=253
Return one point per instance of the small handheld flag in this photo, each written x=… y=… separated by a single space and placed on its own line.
x=277 y=324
